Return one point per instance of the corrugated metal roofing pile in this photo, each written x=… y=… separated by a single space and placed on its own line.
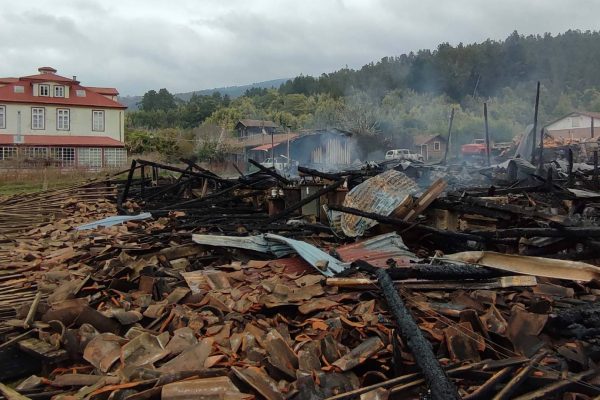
x=442 y=298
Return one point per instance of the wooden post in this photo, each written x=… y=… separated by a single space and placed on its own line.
x=570 y=167
x=142 y=179
x=449 y=135
x=487 y=134
x=535 y=120
x=595 y=178
x=541 y=161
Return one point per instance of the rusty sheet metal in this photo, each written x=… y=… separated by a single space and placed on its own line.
x=377 y=250
x=537 y=266
x=381 y=194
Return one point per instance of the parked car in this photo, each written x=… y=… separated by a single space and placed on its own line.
x=280 y=164
x=402 y=154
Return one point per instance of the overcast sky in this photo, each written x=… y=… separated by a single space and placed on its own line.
x=186 y=45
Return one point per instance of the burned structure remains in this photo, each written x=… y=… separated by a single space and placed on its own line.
x=391 y=280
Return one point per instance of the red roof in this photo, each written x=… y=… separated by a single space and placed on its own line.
x=47 y=77
x=91 y=98
x=94 y=96
x=265 y=147
x=57 y=140
x=104 y=90
x=9 y=80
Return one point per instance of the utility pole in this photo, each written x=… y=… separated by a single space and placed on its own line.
x=487 y=134
x=535 y=120
x=541 y=160
x=449 y=135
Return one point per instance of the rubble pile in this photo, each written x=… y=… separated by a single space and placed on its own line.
x=216 y=288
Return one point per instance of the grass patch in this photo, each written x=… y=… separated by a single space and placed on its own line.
x=13 y=181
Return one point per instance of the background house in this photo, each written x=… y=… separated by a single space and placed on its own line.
x=251 y=127
x=431 y=147
x=51 y=119
x=574 y=127
x=325 y=149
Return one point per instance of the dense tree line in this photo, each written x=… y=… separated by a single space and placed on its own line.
x=397 y=97
x=563 y=62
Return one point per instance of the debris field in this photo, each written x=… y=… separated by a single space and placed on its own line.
x=389 y=281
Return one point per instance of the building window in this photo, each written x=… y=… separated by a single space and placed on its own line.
x=2 y=117
x=98 y=120
x=80 y=93
x=8 y=153
x=436 y=146
x=63 y=156
x=35 y=153
x=59 y=91
x=90 y=157
x=115 y=157
x=44 y=90
x=38 y=118
x=62 y=119
x=19 y=89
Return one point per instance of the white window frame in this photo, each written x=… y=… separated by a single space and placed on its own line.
x=59 y=91
x=114 y=157
x=2 y=117
x=63 y=119
x=38 y=118
x=98 y=120
x=44 y=90
x=437 y=146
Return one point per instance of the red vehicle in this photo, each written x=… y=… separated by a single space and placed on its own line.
x=477 y=148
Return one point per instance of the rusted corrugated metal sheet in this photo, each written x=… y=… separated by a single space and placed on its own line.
x=378 y=250
x=381 y=194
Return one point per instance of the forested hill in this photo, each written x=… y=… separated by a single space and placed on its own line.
x=392 y=100
x=132 y=102
x=566 y=62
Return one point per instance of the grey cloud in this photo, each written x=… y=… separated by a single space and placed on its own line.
x=185 y=45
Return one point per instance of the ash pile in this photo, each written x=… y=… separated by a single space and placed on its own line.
x=383 y=282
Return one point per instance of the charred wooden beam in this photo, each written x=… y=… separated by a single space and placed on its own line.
x=485 y=391
x=125 y=192
x=445 y=271
x=305 y=201
x=508 y=390
x=442 y=388
x=270 y=172
x=555 y=388
x=565 y=232
x=406 y=225
x=181 y=170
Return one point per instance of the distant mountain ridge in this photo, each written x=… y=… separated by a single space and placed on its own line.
x=233 y=91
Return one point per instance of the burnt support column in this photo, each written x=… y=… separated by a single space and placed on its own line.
x=535 y=120
x=442 y=388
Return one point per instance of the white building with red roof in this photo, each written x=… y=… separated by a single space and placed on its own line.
x=53 y=119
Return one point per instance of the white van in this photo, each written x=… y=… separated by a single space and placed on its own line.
x=402 y=154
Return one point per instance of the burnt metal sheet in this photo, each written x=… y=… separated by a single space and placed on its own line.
x=377 y=250
x=381 y=194
x=323 y=262
x=255 y=243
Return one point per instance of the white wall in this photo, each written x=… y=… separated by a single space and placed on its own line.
x=567 y=123
x=80 y=124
